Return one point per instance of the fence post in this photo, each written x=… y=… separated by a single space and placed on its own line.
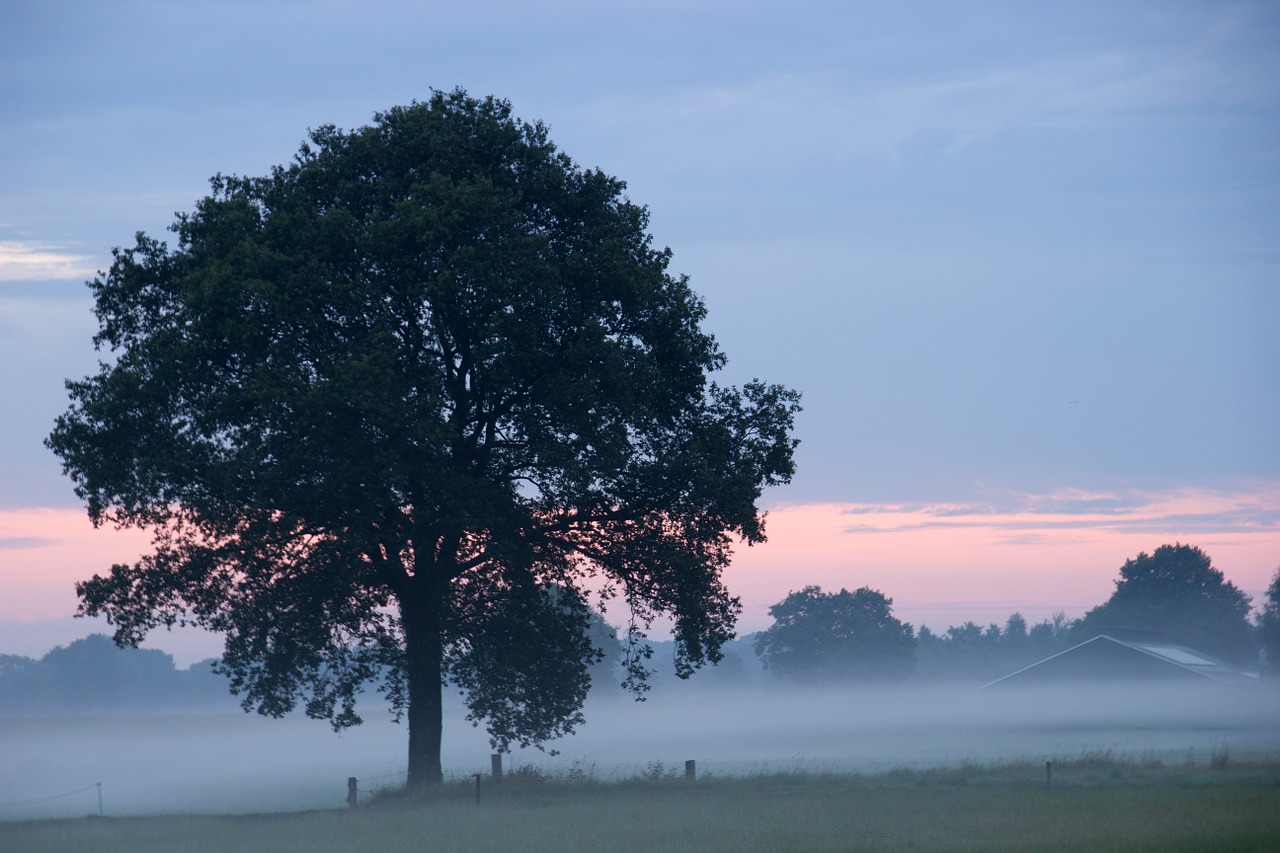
x=99 y=784
x=495 y=766
x=1048 y=775
x=477 y=778
x=691 y=770
x=353 y=792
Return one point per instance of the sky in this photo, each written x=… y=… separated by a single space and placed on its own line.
x=1021 y=259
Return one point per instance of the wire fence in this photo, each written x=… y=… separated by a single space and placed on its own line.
x=368 y=792
x=370 y=787
x=37 y=800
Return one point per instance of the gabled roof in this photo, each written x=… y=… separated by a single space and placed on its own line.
x=1105 y=657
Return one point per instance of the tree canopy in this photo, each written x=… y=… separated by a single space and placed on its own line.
x=375 y=404
x=1269 y=625
x=836 y=636
x=1176 y=591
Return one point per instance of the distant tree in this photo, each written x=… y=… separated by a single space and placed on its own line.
x=1049 y=636
x=608 y=670
x=973 y=650
x=971 y=653
x=203 y=686
x=967 y=635
x=1177 y=592
x=16 y=674
x=731 y=671
x=844 y=635
x=1269 y=625
x=94 y=672
x=14 y=668
x=374 y=403
x=93 y=675
x=1014 y=634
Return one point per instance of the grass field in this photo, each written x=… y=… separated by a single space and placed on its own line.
x=1094 y=804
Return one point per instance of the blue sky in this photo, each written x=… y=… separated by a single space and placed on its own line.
x=1001 y=248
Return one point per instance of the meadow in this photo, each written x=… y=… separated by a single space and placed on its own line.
x=1095 y=803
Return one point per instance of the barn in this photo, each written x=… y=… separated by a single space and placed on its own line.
x=1107 y=658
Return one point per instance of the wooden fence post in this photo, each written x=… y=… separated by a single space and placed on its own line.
x=495 y=766
x=691 y=770
x=353 y=792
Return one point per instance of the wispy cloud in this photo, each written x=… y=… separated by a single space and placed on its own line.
x=21 y=261
x=831 y=109
x=23 y=543
x=1188 y=511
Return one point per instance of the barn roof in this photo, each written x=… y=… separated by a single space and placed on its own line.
x=1108 y=658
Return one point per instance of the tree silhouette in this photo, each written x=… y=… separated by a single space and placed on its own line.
x=374 y=404
x=1176 y=592
x=843 y=635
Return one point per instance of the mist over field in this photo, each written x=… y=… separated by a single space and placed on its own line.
x=245 y=763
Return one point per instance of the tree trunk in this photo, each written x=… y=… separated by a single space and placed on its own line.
x=424 y=658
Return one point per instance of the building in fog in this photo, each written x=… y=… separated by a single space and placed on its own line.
x=1106 y=658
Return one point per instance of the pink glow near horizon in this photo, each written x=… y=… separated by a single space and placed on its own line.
x=942 y=564
x=44 y=551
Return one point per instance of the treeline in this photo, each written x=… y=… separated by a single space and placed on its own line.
x=962 y=654
x=817 y=637
x=1173 y=595
x=970 y=652
x=820 y=636
x=93 y=675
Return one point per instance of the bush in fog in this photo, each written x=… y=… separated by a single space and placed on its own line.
x=836 y=636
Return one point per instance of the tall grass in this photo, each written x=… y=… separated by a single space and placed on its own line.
x=1095 y=803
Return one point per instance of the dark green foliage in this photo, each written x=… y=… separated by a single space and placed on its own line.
x=1269 y=626
x=392 y=390
x=837 y=636
x=1176 y=592
x=527 y=669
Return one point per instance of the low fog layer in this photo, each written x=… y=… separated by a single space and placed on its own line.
x=239 y=763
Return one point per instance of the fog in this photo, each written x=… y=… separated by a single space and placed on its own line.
x=245 y=763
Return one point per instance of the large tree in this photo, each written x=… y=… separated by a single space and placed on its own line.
x=393 y=410
x=1175 y=591
x=837 y=636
